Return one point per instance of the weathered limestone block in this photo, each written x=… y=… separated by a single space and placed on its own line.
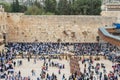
x=51 y=28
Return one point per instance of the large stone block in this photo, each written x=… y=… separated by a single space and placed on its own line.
x=24 y=28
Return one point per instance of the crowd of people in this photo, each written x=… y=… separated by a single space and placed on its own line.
x=97 y=71
x=46 y=65
x=94 y=48
x=56 y=48
x=7 y=71
x=7 y=64
x=90 y=72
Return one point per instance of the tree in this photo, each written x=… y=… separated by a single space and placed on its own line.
x=70 y=8
x=96 y=7
x=34 y=10
x=62 y=8
x=50 y=5
x=82 y=6
x=15 y=6
x=88 y=7
x=38 y=4
x=22 y=8
x=6 y=7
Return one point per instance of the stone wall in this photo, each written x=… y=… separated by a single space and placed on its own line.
x=110 y=13
x=2 y=27
x=2 y=20
x=25 y=28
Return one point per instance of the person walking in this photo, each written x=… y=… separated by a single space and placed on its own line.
x=33 y=72
x=34 y=61
x=59 y=71
x=14 y=63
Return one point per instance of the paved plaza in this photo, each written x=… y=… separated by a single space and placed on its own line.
x=26 y=68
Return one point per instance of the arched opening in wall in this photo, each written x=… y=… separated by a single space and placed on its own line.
x=4 y=37
x=97 y=38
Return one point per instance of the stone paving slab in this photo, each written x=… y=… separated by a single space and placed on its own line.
x=28 y=66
